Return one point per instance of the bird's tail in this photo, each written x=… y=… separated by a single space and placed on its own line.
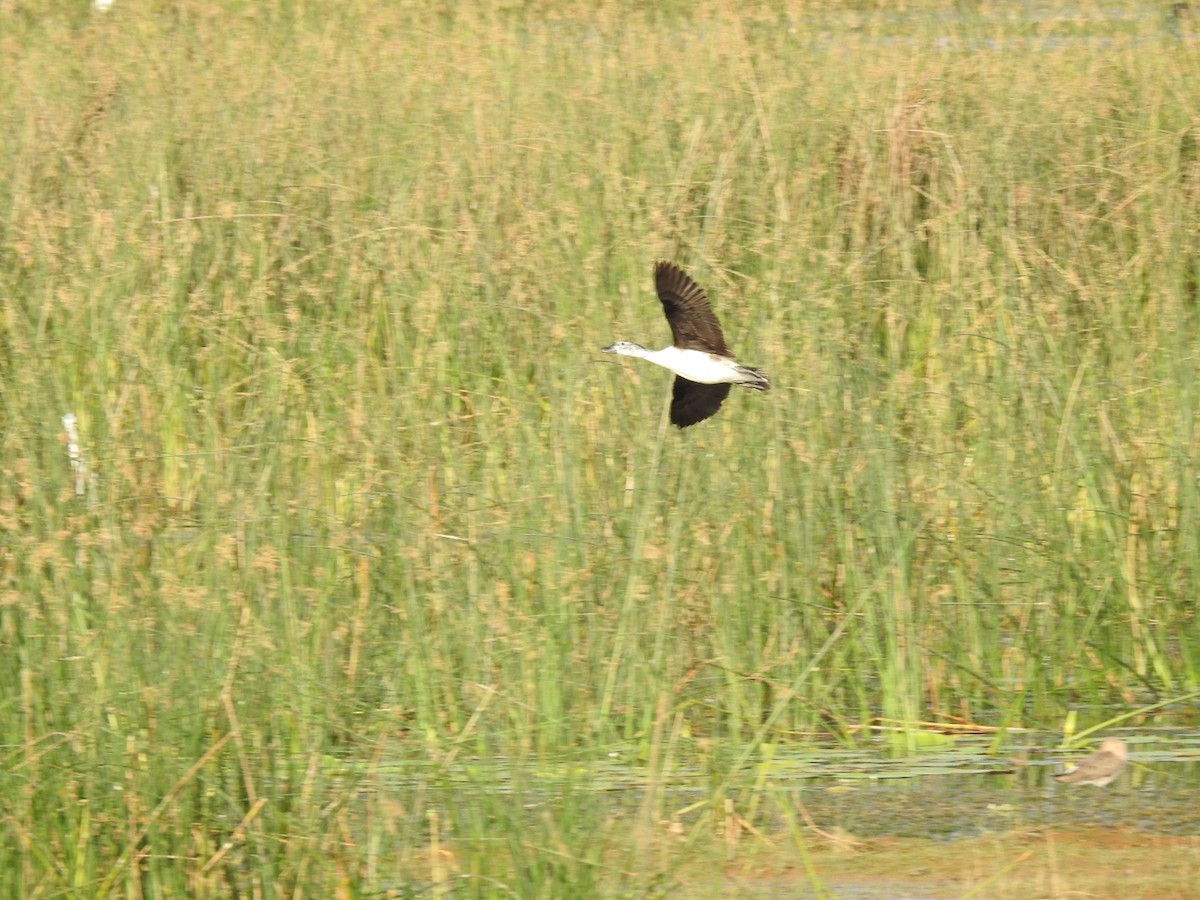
x=755 y=379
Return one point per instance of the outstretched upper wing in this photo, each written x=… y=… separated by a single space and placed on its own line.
x=694 y=326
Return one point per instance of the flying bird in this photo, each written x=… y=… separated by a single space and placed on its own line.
x=703 y=365
x=1101 y=768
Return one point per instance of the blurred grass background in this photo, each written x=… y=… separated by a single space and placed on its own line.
x=325 y=285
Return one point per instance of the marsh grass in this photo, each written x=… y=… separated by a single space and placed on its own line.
x=324 y=289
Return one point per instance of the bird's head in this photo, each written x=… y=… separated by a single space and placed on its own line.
x=625 y=348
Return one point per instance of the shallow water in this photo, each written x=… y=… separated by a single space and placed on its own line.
x=954 y=790
x=965 y=28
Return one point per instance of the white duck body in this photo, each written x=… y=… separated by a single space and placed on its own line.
x=698 y=366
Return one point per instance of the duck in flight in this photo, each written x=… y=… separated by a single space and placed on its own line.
x=703 y=365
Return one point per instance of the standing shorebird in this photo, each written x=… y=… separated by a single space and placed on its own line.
x=1101 y=768
x=703 y=366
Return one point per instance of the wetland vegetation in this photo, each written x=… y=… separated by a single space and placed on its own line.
x=361 y=572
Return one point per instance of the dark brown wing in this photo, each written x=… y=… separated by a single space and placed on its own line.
x=693 y=324
x=692 y=402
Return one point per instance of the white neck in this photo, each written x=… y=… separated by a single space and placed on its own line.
x=663 y=357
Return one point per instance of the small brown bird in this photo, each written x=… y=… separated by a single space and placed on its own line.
x=1101 y=768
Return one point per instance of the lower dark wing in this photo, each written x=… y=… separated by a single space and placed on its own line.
x=692 y=402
